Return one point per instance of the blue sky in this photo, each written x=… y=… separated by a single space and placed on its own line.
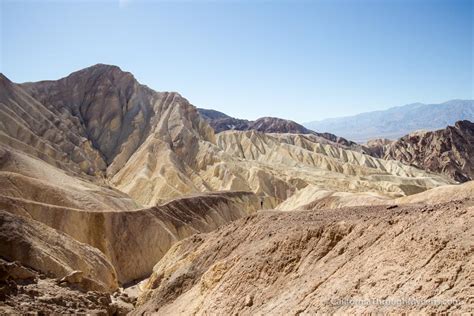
x=301 y=60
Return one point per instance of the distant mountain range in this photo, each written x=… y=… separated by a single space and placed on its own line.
x=397 y=121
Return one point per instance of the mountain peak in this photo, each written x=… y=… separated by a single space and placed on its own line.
x=99 y=70
x=4 y=80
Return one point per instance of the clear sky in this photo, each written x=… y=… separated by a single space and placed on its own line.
x=301 y=60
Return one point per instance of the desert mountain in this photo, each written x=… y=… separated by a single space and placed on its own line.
x=222 y=122
x=449 y=151
x=103 y=176
x=398 y=121
x=154 y=146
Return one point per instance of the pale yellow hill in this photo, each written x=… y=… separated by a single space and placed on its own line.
x=313 y=197
x=26 y=177
x=274 y=166
x=154 y=146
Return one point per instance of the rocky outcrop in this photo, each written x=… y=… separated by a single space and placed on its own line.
x=377 y=147
x=32 y=292
x=317 y=262
x=135 y=240
x=53 y=253
x=222 y=122
x=52 y=134
x=449 y=151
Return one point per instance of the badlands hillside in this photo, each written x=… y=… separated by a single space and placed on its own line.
x=116 y=198
x=222 y=122
x=449 y=151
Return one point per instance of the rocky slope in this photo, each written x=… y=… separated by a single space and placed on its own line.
x=222 y=122
x=397 y=121
x=145 y=235
x=26 y=291
x=117 y=113
x=154 y=146
x=28 y=178
x=101 y=176
x=54 y=135
x=315 y=262
x=92 y=213
x=449 y=151
x=53 y=253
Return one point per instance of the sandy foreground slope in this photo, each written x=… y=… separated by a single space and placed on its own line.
x=301 y=262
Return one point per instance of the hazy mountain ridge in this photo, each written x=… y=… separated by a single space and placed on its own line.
x=397 y=121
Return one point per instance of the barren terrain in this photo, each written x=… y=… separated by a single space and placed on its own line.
x=115 y=199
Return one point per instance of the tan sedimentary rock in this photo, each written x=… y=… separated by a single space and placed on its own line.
x=32 y=292
x=53 y=134
x=310 y=262
x=156 y=146
x=44 y=249
x=449 y=151
x=118 y=166
x=297 y=161
x=33 y=180
x=314 y=198
x=272 y=165
x=119 y=114
x=135 y=240
x=105 y=218
x=441 y=194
